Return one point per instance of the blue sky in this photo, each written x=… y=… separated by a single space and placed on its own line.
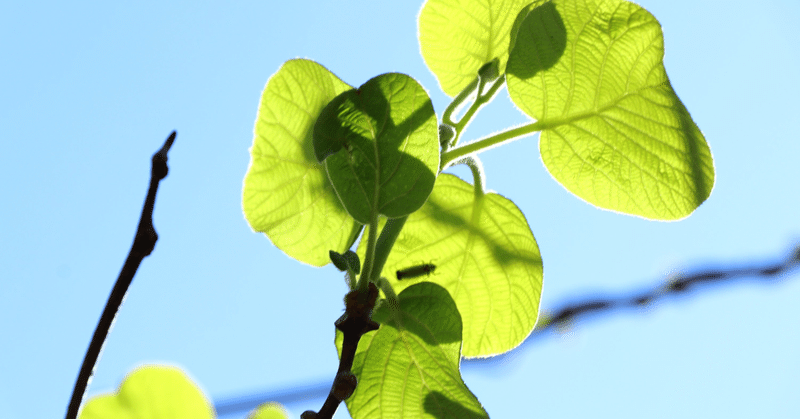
x=90 y=91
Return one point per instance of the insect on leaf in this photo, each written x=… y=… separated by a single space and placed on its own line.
x=416 y=271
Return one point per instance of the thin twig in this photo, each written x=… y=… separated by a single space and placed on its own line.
x=143 y=245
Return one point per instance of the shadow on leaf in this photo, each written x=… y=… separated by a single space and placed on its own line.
x=440 y=406
x=384 y=131
x=501 y=253
x=538 y=41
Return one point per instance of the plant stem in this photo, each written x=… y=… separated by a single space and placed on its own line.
x=477 y=173
x=489 y=142
x=372 y=238
x=447 y=117
x=477 y=86
x=388 y=291
x=386 y=241
x=480 y=100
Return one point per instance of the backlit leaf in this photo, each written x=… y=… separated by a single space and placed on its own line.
x=380 y=146
x=614 y=132
x=485 y=256
x=287 y=194
x=458 y=37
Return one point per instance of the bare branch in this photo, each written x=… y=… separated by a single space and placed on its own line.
x=143 y=245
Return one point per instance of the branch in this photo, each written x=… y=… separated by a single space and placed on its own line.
x=356 y=320
x=568 y=313
x=143 y=245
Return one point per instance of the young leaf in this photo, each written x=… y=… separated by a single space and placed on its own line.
x=409 y=368
x=286 y=191
x=485 y=256
x=380 y=146
x=338 y=260
x=153 y=392
x=458 y=37
x=614 y=132
x=353 y=261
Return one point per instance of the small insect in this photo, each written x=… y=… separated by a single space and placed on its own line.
x=416 y=271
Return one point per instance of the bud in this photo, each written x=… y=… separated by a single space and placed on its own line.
x=446 y=134
x=490 y=71
x=344 y=385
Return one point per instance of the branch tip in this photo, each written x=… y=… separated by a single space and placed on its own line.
x=143 y=244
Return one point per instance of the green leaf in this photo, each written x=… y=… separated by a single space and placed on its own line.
x=485 y=256
x=353 y=261
x=409 y=367
x=458 y=37
x=286 y=191
x=152 y=392
x=614 y=132
x=338 y=260
x=269 y=411
x=380 y=145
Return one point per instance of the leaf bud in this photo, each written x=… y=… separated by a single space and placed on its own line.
x=446 y=134
x=344 y=385
x=490 y=71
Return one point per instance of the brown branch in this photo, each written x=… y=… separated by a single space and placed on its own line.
x=354 y=323
x=143 y=245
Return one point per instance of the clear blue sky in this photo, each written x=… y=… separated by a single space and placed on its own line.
x=89 y=91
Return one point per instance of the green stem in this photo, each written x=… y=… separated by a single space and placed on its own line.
x=480 y=100
x=472 y=108
x=477 y=173
x=489 y=142
x=391 y=298
x=388 y=290
x=447 y=117
x=386 y=241
x=372 y=238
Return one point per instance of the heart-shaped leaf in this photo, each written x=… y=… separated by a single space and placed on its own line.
x=484 y=255
x=614 y=132
x=380 y=146
x=287 y=194
x=457 y=38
